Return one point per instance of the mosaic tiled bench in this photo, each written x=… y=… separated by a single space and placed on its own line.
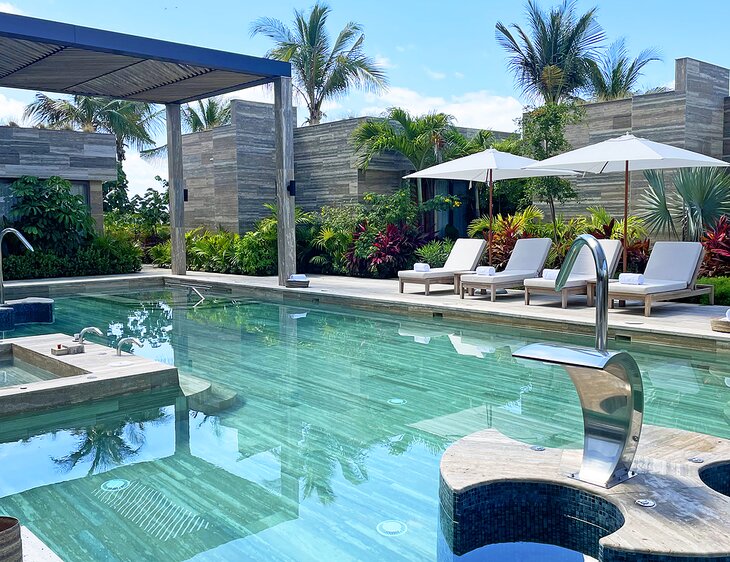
x=31 y=310
x=495 y=490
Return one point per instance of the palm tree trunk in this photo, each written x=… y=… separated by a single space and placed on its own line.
x=120 y=149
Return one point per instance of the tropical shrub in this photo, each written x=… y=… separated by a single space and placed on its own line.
x=383 y=253
x=435 y=253
x=48 y=214
x=105 y=255
x=717 y=249
x=722 y=290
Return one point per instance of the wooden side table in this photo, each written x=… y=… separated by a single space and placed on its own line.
x=457 y=279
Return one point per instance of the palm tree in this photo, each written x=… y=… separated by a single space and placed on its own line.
x=614 y=75
x=203 y=115
x=208 y=114
x=132 y=123
x=322 y=70
x=551 y=58
x=423 y=140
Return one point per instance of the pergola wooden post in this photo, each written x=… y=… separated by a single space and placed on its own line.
x=284 y=134
x=176 y=188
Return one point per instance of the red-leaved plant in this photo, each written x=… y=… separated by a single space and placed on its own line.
x=717 y=249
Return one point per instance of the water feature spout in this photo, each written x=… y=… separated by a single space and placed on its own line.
x=27 y=244
x=608 y=383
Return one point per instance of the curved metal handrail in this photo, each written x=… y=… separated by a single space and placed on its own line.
x=599 y=256
x=25 y=243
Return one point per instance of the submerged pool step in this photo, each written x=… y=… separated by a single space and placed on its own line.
x=205 y=396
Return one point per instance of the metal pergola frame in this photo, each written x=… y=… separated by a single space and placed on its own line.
x=49 y=56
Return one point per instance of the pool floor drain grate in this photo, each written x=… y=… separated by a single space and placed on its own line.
x=397 y=401
x=391 y=528
x=115 y=485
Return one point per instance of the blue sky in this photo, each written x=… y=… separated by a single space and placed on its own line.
x=439 y=55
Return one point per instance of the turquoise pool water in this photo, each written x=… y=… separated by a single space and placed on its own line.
x=330 y=449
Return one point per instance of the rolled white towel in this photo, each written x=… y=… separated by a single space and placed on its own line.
x=297 y=277
x=421 y=339
x=550 y=273
x=422 y=267
x=727 y=314
x=486 y=270
x=631 y=279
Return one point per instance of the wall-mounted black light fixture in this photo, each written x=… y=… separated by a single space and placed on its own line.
x=291 y=187
x=185 y=195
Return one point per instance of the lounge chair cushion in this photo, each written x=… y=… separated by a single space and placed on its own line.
x=516 y=276
x=435 y=273
x=649 y=287
x=585 y=265
x=529 y=254
x=465 y=254
x=573 y=281
x=674 y=261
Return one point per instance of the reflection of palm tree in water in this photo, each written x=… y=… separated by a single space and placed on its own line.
x=110 y=444
x=319 y=454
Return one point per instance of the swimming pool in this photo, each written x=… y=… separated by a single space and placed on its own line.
x=330 y=450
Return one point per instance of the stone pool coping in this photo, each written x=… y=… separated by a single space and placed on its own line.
x=93 y=375
x=672 y=324
x=689 y=519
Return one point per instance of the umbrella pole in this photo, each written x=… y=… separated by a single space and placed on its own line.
x=626 y=215
x=491 y=224
x=476 y=195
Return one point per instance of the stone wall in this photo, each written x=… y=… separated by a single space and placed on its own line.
x=89 y=158
x=691 y=116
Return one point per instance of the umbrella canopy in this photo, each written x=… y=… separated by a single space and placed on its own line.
x=625 y=154
x=487 y=166
x=641 y=154
x=475 y=167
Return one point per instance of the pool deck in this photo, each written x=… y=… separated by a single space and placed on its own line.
x=671 y=323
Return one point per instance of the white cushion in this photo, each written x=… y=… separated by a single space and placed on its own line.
x=502 y=277
x=585 y=264
x=649 y=287
x=673 y=261
x=434 y=273
x=529 y=254
x=573 y=281
x=465 y=254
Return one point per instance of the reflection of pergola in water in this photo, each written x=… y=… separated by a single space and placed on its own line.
x=69 y=59
x=173 y=508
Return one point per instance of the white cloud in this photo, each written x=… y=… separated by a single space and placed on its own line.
x=141 y=173
x=434 y=74
x=458 y=75
x=404 y=48
x=384 y=62
x=9 y=8
x=478 y=109
x=11 y=110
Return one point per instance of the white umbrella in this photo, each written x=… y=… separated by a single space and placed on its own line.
x=487 y=166
x=625 y=154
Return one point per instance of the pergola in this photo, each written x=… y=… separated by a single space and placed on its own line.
x=44 y=55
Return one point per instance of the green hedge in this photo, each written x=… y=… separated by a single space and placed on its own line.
x=104 y=255
x=722 y=290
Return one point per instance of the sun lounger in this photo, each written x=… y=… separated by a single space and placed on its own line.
x=670 y=274
x=526 y=262
x=584 y=271
x=464 y=256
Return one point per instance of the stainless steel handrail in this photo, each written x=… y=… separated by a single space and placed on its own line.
x=25 y=243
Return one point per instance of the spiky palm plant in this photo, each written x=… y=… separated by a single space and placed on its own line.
x=322 y=69
x=702 y=197
x=132 y=123
x=551 y=57
x=615 y=74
